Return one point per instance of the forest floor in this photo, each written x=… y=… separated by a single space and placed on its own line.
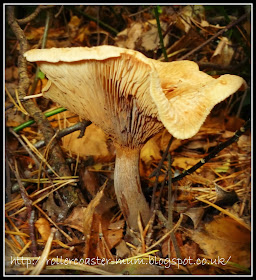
x=203 y=228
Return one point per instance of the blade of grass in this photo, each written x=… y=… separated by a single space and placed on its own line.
x=160 y=33
x=30 y=122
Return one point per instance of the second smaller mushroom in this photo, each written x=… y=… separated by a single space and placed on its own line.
x=131 y=97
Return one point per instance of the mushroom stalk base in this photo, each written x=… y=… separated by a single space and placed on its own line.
x=128 y=188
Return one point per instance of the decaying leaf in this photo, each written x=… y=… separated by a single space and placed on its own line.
x=128 y=37
x=93 y=143
x=43 y=227
x=122 y=251
x=187 y=249
x=141 y=36
x=11 y=73
x=225 y=238
x=89 y=182
x=225 y=197
x=244 y=143
x=89 y=211
x=150 y=39
x=100 y=238
x=150 y=151
x=13 y=118
x=73 y=25
x=190 y=40
x=189 y=13
x=195 y=214
x=184 y=162
x=223 y=53
x=75 y=219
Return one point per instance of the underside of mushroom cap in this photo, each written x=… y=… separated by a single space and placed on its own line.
x=113 y=93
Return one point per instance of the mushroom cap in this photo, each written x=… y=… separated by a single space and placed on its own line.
x=78 y=53
x=131 y=97
x=189 y=95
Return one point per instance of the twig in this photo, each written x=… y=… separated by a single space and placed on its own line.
x=59 y=12
x=157 y=204
x=82 y=126
x=241 y=104
x=32 y=96
x=8 y=187
x=17 y=42
x=26 y=148
x=170 y=210
x=33 y=15
x=168 y=233
x=160 y=33
x=30 y=211
x=69 y=193
x=233 y=23
x=140 y=12
x=157 y=171
x=43 y=259
x=215 y=151
x=78 y=126
x=170 y=199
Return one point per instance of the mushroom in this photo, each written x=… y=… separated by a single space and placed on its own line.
x=131 y=97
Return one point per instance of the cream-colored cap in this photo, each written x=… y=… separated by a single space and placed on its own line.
x=131 y=97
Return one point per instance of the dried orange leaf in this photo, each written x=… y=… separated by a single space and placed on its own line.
x=93 y=143
x=43 y=227
x=150 y=151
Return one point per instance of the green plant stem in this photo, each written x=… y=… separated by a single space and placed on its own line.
x=160 y=34
x=30 y=122
x=44 y=40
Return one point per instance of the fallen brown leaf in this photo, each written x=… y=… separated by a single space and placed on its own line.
x=225 y=238
x=93 y=143
x=223 y=53
x=99 y=238
x=75 y=219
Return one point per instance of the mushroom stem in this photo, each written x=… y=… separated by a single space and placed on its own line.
x=128 y=190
